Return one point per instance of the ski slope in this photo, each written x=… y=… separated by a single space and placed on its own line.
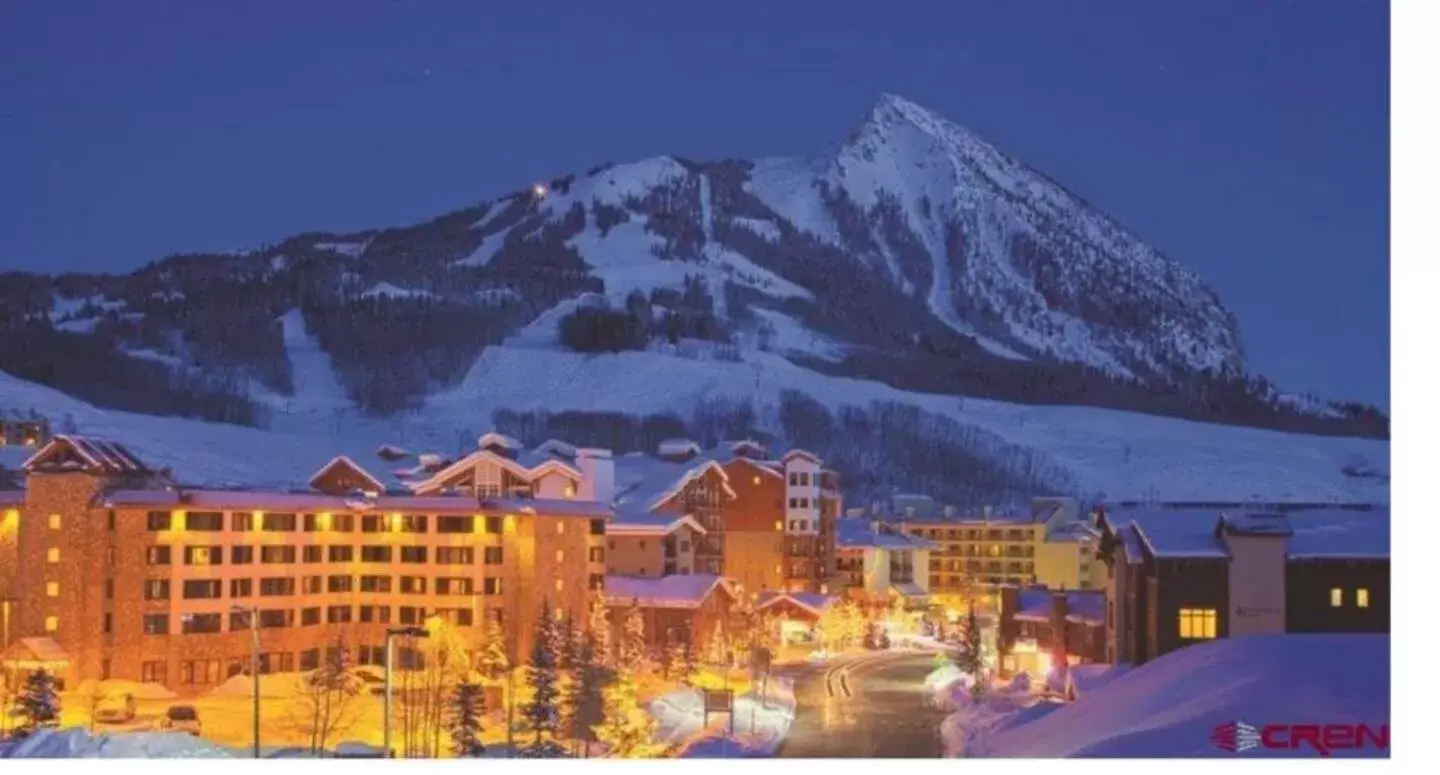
x=1120 y=455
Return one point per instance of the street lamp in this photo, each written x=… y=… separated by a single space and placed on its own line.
x=254 y=615
x=390 y=635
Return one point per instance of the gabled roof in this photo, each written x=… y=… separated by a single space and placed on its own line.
x=645 y=523
x=1314 y=533
x=91 y=453
x=1082 y=605
x=811 y=602
x=676 y=447
x=676 y=591
x=801 y=454
x=341 y=461
x=518 y=467
x=643 y=483
x=1254 y=523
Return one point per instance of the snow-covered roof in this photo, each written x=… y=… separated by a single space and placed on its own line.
x=493 y=439
x=12 y=498
x=245 y=500
x=97 y=453
x=633 y=522
x=341 y=460
x=675 y=591
x=813 y=602
x=644 y=483
x=858 y=533
x=800 y=453
x=36 y=650
x=1256 y=523
x=1339 y=534
x=1035 y=604
x=679 y=447
x=1314 y=533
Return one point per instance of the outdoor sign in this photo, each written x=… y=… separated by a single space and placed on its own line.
x=720 y=701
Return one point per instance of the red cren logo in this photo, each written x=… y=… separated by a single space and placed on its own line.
x=1237 y=736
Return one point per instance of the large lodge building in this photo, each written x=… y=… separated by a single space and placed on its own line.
x=110 y=569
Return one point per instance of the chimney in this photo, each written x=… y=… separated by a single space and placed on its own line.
x=597 y=475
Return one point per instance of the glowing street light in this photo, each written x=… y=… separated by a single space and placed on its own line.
x=539 y=190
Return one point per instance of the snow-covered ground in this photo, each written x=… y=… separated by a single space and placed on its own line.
x=76 y=743
x=759 y=729
x=1120 y=454
x=1168 y=707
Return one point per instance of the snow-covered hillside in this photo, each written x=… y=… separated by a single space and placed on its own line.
x=1119 y=454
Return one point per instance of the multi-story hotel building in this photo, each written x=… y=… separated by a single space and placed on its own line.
x=132 y=576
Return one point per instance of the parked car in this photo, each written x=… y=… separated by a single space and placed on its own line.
x=115 y=709
x=181 y=718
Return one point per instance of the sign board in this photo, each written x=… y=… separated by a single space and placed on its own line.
x=719 y=700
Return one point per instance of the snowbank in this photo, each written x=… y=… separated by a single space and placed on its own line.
x=116 y=687
x=758 y=729
x=1168 y=707
x=273 y=686
x=76 y=743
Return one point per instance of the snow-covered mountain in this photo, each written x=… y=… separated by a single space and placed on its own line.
x=915 y=254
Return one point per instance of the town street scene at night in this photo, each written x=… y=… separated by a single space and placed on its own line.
x=453 y=380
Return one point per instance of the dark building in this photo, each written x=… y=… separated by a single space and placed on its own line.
x=1178 y=577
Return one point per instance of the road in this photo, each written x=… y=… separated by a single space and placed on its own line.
x=866 y=707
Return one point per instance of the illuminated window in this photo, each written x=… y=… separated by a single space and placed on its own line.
x=755 y=481
x=1197 y=623
x=52 y=623
x=52 y=589
x=54 y=521
x=560 y=526
x=559 y=585
x=1362 y=598
x=52 y=555
x=779 y=525
x=1337 y=597
x=569 y=490
x=559 y=556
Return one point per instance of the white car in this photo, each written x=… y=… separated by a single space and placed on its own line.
x=115 y=709
x=181 y=718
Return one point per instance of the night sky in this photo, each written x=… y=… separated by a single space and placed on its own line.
x=1247 y=139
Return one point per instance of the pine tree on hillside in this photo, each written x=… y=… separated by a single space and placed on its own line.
x=569 y=643
x=584 y=702
x=542 y=711
x=627 y=729
x=491 y=659
x=39 y=703
x=970 y=658
x=467 y=706
x=633 y=655
x=599 y=627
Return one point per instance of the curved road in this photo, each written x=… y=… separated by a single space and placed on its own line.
x=872 y=706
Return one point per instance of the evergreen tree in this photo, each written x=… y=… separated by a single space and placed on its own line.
x=39 y=703
x=541 y=711
x=970 y=658
x=627 y=729
x=491 y=659
x=632 y=646
x=599 y=627
x=569 y=643
x=467 y=706
x=584 y=703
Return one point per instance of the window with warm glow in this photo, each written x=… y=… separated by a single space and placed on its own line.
x=560 y=526
x=1362 y=598
x=569 y=490
x=52 y=589
x=52 y=555
x=54 y=521
x=559 y=585
x=559 y=556
x=52 y=623
x=755 y=481
x=1337 y=597
x=779 y=525
x=1198 y=623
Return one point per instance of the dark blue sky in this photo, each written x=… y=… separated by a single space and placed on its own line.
x=1248 y=139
